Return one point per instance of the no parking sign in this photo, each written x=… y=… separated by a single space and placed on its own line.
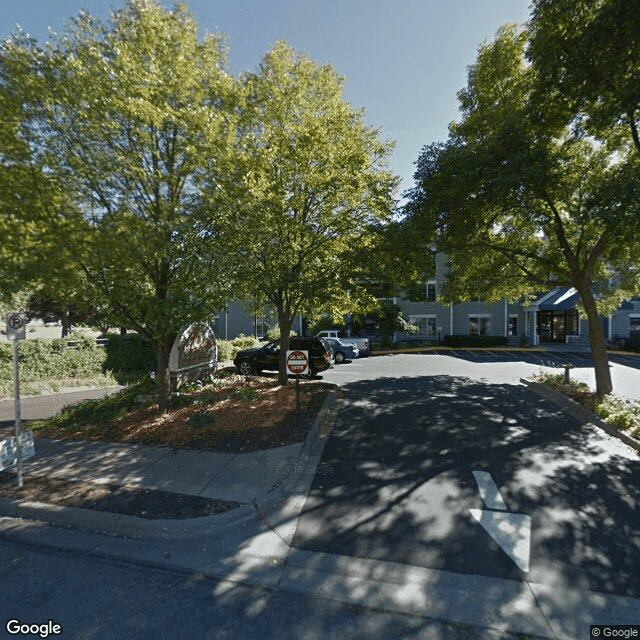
x=16 y=326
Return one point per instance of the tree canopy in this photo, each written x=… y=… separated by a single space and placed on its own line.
x=587 y=55
x=313 y=182
x=521 y=202
x=133 y=118
x=164 y=186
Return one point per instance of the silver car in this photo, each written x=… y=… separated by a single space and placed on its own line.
x=342 y=351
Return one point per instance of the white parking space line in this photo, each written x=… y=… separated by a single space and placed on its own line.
x=489 y=491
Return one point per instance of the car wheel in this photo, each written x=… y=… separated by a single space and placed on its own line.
x=340 y=357
x=245 y=368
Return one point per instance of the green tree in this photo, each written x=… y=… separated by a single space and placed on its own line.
x=313 y=181
x=28 y=193
x=135 y=116
x=587 y=55
x=520 y=203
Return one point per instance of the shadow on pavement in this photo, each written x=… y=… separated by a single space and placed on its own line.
x=554 y=359
x=396 y=484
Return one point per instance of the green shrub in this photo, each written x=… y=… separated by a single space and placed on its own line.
x=78 y=356
x=44 y=359
x=129 y=352
x=106 y=409
x=556 y=381
x=227 y=349
x=618 y=412
x=244 y=342
x=475 y=341
x=199 y=419
x=274 y=333
x=246 y=393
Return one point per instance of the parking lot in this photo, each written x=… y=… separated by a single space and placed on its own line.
x=445 y=461
x=502 y=366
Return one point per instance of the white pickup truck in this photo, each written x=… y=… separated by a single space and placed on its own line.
x=361 y=343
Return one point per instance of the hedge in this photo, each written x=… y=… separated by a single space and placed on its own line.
x=130 y=352
x=50 y=358
x=475 y=341
x=227 y=349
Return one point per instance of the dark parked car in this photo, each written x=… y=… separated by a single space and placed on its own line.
x=251 y=361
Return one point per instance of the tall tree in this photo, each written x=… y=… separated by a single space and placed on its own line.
x=28 y=193
x=587 y=53
x=313 y=180
x=135 y=116
x=521 y=203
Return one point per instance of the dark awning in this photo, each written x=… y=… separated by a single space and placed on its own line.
x=560 y=299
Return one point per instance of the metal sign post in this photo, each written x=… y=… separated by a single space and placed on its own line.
x=16 y=323
x=298 y=363
x=16 y=385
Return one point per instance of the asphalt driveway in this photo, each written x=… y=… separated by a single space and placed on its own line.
x=433 y=468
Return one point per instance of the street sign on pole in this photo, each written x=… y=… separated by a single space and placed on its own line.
x=16 y=326
x=9 y=449
x=16 y=330
x=298 y=362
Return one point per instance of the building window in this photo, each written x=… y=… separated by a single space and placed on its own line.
x=431 y=264
x=429 y=291
x=634 y=325
x=479 y=325
x=513 y=325
x=426 y=325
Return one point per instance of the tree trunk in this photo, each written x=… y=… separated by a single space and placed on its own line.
x=604 y=384
x=163 y=374
x=285 y=329
x=66 y=323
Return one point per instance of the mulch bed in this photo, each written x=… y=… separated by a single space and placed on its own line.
x=234 y=416
x=152 y=504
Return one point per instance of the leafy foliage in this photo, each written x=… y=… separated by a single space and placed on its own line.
x=43 y=359
x=199 y=419
x=227 y=349
x=106 y=409
x=134 y=117
x=521 y=203
x=587 y=55
x=130 y=352
x=312 y=182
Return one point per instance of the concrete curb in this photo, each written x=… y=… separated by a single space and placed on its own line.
x=126 y=526
x=280 y=509
x=579 y=412
x=121 y=525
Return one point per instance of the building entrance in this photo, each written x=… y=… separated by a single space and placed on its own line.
x=554 y=326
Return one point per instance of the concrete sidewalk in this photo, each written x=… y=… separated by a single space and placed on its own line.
x=250 y=479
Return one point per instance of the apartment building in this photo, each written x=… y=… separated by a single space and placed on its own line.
x=552 y=317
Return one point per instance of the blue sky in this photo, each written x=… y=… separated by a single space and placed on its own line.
x=404 y=60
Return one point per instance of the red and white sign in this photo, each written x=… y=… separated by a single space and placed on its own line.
x=297 y=362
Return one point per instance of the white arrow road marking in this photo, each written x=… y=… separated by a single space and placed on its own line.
x=512 y=531
x=488 y=490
